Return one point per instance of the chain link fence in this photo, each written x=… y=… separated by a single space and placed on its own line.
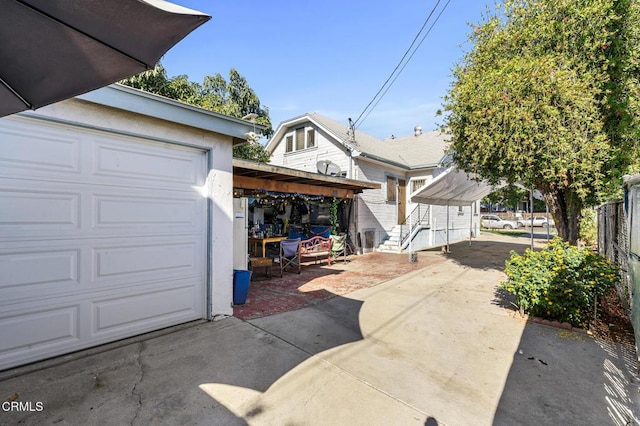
x=613 y=243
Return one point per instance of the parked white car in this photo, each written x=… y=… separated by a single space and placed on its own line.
x=538 y=221
x=492 y=221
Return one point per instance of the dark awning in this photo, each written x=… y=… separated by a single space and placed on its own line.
x=52 y=50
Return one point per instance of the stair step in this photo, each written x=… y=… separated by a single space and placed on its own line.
x=388 y=250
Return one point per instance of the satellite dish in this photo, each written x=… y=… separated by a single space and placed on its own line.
x=327 y=167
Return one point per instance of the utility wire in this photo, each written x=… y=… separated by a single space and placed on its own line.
x=393 y=76
x=426 y=21
x=403 y=66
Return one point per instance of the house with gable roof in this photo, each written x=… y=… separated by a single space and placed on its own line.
x=383 y=219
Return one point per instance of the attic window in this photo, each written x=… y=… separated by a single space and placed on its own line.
x=300 y=138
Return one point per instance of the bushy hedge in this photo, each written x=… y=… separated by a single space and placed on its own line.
x=560 y=282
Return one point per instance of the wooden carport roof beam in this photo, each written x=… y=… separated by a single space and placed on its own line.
x=250 y=175
x=289 y=187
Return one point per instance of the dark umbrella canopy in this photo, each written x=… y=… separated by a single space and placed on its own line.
x=52 y=50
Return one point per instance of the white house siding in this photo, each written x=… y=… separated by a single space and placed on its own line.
x=461 y=223
x=307 y=159
x=98 y=309
x=374 y=211
x=414 y=181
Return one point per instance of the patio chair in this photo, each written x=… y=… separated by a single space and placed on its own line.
x=289 y=254
x=339 y=246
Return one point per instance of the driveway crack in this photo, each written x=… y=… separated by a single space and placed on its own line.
x=134 y=391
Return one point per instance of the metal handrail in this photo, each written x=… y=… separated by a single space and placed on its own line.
x=417 y=215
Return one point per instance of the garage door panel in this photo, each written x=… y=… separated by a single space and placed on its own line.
x=148 y=166
x=39 y=330
x=77 y=266
x=159 y=211
x=158 y=305
x=69 y=210
x=25 y=151
x=136 y=261
x=23 y=209
x=31 y=268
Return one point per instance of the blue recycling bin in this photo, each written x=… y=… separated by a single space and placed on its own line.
x=241 y=280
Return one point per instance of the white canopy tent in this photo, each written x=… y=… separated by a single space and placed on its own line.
x=454 y=188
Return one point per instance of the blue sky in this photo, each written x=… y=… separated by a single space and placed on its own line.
x=331 y=57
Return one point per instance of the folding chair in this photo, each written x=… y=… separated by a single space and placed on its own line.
x=289 y=254
x=339 y=246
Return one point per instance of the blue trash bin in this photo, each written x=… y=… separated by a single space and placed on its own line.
x=241 y=280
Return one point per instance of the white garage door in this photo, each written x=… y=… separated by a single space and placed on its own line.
x=101 y=237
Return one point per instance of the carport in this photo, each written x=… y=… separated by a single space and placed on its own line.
x=276 y=183
x=251 y=176
x=454 y=187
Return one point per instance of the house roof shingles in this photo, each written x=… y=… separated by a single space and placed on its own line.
x=424 y=150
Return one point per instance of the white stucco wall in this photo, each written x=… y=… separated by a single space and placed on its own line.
x=219 y=180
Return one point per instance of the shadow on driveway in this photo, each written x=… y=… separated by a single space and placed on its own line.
x=565 y=377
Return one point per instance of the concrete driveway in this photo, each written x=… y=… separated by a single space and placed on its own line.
x=432 y=347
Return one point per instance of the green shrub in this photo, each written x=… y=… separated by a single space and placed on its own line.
x=560 y=282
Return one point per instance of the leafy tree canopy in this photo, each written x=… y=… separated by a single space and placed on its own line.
x=233 y=97
x=548 y=96
x=510 y=196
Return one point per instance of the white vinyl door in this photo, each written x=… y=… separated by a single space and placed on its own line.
x=102 y=237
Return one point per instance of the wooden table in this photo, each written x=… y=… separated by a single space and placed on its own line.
x=254 y=243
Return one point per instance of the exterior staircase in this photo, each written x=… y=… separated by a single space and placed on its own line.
x=391 y=244
x=399 y=237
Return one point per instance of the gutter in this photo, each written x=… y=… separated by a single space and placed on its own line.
x=383 y=160
x=126 y=98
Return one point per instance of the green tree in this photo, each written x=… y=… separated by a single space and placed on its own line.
x=548 y=96
x=233 y=97
x=153 y=81
x=510 y=196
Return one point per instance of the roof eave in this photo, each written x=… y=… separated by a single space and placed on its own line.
x=140 y=102
x=277 y=136
x=378 y=159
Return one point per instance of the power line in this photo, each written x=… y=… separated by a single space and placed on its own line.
x=395 y=73
x=403 y=66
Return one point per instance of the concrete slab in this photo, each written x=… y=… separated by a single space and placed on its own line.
x=431 y=347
